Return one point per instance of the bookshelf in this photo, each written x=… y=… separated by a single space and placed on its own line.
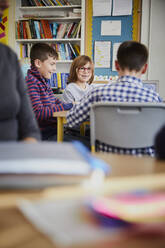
x=68 y=17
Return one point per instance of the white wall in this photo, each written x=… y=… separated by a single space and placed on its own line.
x=153 y=35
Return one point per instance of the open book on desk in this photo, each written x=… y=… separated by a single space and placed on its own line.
x=43 y=164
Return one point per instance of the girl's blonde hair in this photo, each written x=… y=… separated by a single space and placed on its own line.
x=77 y=63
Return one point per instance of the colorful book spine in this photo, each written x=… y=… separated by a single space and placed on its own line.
x=64 y=80
x=59 y=79
x=73 y=52
x=62 y=51
x=28 y=30
x=36 y=25
x=46 y=29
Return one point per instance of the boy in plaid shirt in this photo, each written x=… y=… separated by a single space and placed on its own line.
x=131 y=63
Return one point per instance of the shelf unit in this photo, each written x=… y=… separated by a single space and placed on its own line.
x=52 y=13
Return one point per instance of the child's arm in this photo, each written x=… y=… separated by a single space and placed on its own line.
x=68 y=96
x=43 y=104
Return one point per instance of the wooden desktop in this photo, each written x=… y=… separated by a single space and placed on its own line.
x=127 y=173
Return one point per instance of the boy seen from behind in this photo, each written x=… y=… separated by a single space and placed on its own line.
x=43 y=64
x=131 y=63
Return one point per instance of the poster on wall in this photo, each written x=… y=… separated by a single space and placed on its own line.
x=102 y=8
x=4 y=23
x=102 y=54
x=112 y=28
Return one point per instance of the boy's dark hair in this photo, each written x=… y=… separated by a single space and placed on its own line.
x=41 y=51
x=132 y=55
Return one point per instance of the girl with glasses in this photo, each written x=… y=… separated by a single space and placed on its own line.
x=80 y=78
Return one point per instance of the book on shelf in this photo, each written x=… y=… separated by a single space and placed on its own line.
x=72 y=14
x=37 y=28
x=61 y=30
x=62 y=51
x=77 y=49
x=64 y=80
x=53 y=81
x=66 y=52
x=18 y=34
x=24 y=30
x=27 y=3
x=32 y=29
x=72 y=31
x=54 y=27
x=77 y=10
x=59 y=2
x=28 y=30
x=78 y=34
x=47 y=2
x=38 y=3
x=57 y=47
x=68 y=30
x=72 y=50
x=46 y=29
x=59 y=79
x=66 y=2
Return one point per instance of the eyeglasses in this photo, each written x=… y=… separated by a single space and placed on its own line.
x=83 y=69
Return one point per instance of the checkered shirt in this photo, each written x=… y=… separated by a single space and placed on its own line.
x=126 y=89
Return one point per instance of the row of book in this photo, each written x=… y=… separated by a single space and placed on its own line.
x=59 y=80
x=26 y=3
x=66 y=51
x=44 y=29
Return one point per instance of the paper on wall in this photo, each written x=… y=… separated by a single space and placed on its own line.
x=122 y=7
x=102 y=54
x=111 y=28
x=102 y=8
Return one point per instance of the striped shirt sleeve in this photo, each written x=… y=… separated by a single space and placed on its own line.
x=44 y=103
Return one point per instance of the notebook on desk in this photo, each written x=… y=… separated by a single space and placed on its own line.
x=44 y=164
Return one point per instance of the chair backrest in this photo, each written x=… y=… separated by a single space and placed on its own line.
x=126 y=125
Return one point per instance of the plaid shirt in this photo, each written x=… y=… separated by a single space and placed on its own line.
x=126 y=89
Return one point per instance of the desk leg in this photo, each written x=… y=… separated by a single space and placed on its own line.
x=82 y=129
x=93 y=149
x=60 y=129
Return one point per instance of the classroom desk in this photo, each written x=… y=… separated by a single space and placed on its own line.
x=127 y=173
x=61 y=121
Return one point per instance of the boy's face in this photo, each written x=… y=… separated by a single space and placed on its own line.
x=47 y=67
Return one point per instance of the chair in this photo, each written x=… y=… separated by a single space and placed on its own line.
x=126 y=125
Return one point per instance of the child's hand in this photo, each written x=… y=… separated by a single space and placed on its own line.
x=74 y=103
x=67 y=106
